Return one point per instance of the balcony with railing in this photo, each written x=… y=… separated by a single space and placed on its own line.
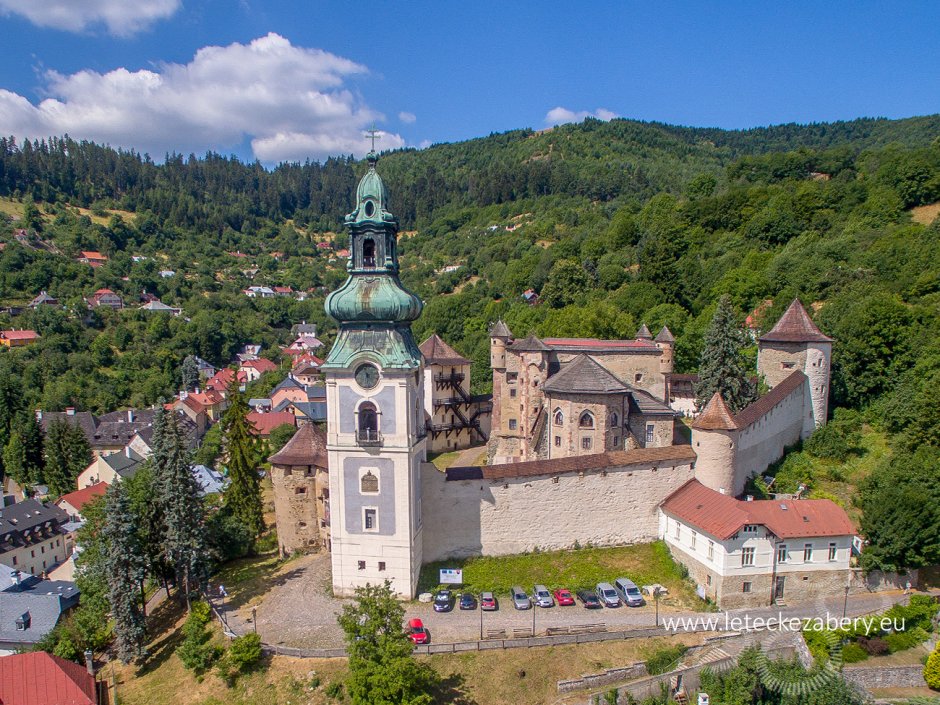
x=369 y=437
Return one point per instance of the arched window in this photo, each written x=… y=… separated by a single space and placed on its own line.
x=586 y=420
x=368 y=252
x=614 y=420
x=559 y=417
x=368 y=422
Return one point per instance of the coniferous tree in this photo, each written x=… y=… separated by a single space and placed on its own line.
x=722 y=367
x=10 y=402
x=31 y=433
x=178 y=494
x=147 y=488
x=243 y=496
x=14 y=460
x=67 y=454
x=126 y=570
x=189 y=372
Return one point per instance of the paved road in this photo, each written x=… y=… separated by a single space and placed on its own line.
x=300 y=612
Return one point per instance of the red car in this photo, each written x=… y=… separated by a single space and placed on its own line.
x=563 y=597
x=417 y=633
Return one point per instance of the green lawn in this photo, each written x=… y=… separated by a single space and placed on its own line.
x=442 y=461
x=574 y=569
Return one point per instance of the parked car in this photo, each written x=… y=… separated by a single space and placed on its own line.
x=564 y=597
x=488 y=602
x=607 y=595
x=629 y=592
x=417 y=633
x=520 y=600
x=589 y=599
x=443 y=601
x=542 y=597
x=468 y=601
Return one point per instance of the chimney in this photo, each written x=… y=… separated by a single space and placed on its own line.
x=183 y=395
x=197 y=390
x=90 y=662
x=15 y=576
x=70 y=411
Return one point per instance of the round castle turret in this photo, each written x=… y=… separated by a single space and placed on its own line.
x=666 y=342
x=714 y=437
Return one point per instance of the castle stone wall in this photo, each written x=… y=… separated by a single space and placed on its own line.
x=619 y=505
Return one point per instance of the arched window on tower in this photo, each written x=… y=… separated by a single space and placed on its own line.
x=368 y=430
x=614 y=420
x=368 y=252
x=559 y=418
x=586 y=420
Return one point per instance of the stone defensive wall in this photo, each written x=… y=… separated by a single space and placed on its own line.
x=604 y=499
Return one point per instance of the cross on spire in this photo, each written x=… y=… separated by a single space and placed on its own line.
x=373 y=134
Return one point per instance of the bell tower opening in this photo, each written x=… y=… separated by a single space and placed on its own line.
x=368 y=252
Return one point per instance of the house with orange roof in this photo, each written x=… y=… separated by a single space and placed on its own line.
x=262 y=424
x=253 y=369
x=18 y=338
x=222 y=380
x=105 y=297
x=92 y=258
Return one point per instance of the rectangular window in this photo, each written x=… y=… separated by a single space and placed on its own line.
x=513 y=424
x=512 y=392
x=747 y=556
x=300 y=490
x=808 y=553
x=711 y=550
x=832 y=551
x=381 y=565
x=781 y=554
x=616 y=441
x=750 y=529
x=362 y=565
x=14 y=560
x=557 y=441
x=638 y=377
x=678 y=530
x=694 y=536
x=787 y=365
x=586 y=443
x=650 y=430
x=708 y=580
x=746 y=587
x=512 y=377
x=371 y=519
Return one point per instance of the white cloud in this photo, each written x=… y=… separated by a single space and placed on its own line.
x=120 y=17
x=559 y=115
x=289 y=102
x=407 y=117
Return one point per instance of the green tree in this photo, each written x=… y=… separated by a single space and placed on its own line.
x=723 y=367
x=189 y=373
x=280 y=435
x=14 y=460
x=932 y=669
x=195 y=651
x=243 y=496
x=566 y=283
x=383 y=670
x=126 y=569
x=31 y=433
x=67 y=454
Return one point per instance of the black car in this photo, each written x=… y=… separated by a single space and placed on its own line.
x=443 y=601
x=588 y=599
x=468 y=601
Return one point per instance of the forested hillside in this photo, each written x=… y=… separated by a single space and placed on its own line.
x=611 y=224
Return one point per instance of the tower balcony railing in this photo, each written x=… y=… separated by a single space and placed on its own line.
x=453 y=377
x=369 y=437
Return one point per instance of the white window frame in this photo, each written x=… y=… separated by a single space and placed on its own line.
x=374 y=529
x=747 y=556
x=694 y=536
x=833 y=551
x=650 y=432
x=783 y=555
x=711 y=550
x=807 y=553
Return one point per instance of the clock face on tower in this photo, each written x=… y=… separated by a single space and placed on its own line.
x=367 y=376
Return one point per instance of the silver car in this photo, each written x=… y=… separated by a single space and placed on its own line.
x=542 y=597
x=520 y=600
x=629 y=592
x=608 y=595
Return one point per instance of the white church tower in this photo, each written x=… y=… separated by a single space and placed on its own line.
x=376 y=436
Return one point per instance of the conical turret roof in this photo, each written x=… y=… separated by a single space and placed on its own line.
x=716 y=416
x=665 y=336
x=500 y=330
x=795 y=326
x=435 y=350
x=306 y=447
x=644 y=333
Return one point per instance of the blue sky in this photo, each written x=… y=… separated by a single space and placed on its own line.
x=280 y=80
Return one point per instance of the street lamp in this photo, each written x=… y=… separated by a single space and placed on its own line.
x=254 y=618
x=845 y=604
x=656 y=600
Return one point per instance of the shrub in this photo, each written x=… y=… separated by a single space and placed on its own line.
x=243 y=655
x=838 y=439
x=664 y=659
x=195 y=651
x=919 y=613
x=853 y=653
x=334 y=690
x=901 y=641
x=932 y=670
x=873 y=645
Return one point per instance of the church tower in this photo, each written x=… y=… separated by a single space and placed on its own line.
x=376 y=429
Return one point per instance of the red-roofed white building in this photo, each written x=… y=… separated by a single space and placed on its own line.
x=73 y=502
x=253 y=369
x=39 y=678
x=223 y=379
x=262 y=424
x=105 y=297
x=752 y=553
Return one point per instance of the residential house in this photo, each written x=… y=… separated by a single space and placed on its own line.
x=92 y=258
x=222 y=380
x=44 y=300
x=306 y=369
x=206 y=369
x=295 y=390
x=262 y=424
x=73 y=502
x=283 y=291
x=249 y=351
x=105 y=297
x=305 y=411
x=31 y=536
x=253 y=369
x=106 y=434
x=111 y=468
x=530 y=297
x=303 y=328
x=160 y=307
x=324 y=246
x=238 y=254
x=210 y=481
x=142 y=442
x=260 y=405
x=306 y=342
x=18 y=338
x=754 y=553
x=210 y=402
x=167 y=273
x=30 y=607
x=40 y=678
x=259 y=292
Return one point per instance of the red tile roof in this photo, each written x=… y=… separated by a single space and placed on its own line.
x=80 y=498
x=222 y=379
x=38 y=678
x=261 y=364
x=435 y=350
x=723 y=516
x=19 y=334
x=595 y=344
x=263 y=424
x=716 y=416
x=93 y=255
x=795 y=326
x=306 y=447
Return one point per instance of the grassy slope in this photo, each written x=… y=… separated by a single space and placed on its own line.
x=643 y=563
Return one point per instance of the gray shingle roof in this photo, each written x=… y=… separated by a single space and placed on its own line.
x=665 y=336
x=584 y=375
x=529 y=344
x=644 y=333
x=648 y=405
x=500 y=330
x=28 y=514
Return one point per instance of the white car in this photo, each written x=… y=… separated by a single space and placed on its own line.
x=542 y=597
